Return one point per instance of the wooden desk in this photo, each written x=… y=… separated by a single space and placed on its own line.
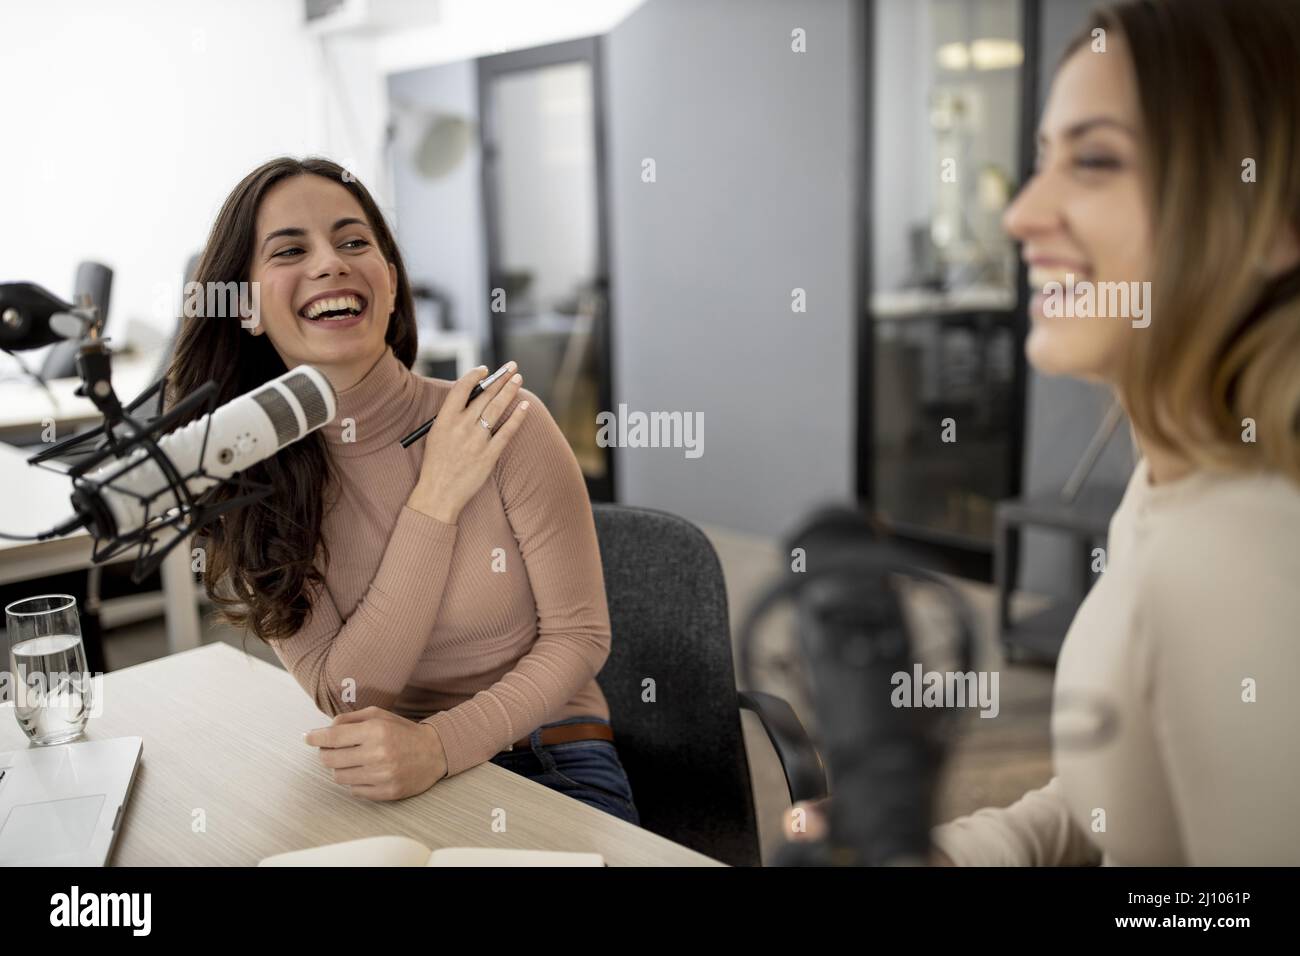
x=223 y=735
x=24 y=405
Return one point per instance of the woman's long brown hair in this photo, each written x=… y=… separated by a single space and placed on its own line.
x=261 y=568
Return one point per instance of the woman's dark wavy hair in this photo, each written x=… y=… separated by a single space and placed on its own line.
x=261 y=569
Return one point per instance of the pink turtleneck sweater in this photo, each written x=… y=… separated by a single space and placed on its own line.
x=485 y=629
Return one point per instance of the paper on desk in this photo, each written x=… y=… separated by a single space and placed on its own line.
x=403 y=851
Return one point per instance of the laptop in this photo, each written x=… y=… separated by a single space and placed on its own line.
x=63 y=805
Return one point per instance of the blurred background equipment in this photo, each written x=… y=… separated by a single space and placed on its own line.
x=854 y=635
x=1078 y=513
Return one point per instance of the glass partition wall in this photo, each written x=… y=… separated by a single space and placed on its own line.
x=946 y=371
x=543 y=188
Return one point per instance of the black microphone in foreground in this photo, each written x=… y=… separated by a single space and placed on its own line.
x=31 y=317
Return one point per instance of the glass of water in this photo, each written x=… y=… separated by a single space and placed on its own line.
x=49 y=682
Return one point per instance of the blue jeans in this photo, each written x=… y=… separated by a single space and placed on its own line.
x=587 y=770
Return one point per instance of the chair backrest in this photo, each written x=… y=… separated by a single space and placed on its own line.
x=154 y=406
x=683 y=752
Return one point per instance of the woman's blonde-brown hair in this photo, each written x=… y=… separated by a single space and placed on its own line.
x=1219 y=89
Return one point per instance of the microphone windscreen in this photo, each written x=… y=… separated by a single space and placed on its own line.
x=296 y=403
x=315 y=400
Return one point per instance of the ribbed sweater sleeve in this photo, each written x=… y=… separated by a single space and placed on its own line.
x=1036 y=830
x=545 y=500
x=367 y=660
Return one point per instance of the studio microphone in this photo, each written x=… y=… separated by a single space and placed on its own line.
x=127 y=494
x=31 y=317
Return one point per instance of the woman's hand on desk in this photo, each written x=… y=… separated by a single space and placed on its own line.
x=459 y=453
x=380 y=755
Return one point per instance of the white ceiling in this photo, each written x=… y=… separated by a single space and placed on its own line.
x=467 y=29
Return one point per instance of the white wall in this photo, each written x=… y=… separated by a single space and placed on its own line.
x=136 y=120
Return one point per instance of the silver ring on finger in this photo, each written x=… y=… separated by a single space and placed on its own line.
x=487 y=426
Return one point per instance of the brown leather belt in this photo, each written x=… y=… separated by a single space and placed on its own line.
x=566 y=733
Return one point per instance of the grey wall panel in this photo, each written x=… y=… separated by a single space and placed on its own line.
x=754 y=147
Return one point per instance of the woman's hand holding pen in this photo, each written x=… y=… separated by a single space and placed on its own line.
x=460 y=451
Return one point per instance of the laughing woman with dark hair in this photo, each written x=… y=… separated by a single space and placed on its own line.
x=444 y=602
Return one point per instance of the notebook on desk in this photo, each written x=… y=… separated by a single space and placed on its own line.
x=403 y=851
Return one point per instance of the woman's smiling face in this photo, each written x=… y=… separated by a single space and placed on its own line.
x=1085 y=212
x=313 y=240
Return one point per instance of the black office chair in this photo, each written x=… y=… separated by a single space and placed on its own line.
x=154 y=406
x=683 y=752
